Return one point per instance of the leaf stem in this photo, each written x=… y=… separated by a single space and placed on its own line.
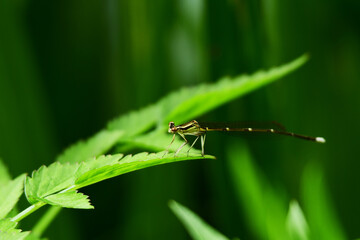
x=46 y=219
x=27 y=211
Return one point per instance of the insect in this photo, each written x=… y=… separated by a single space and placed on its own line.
x=199 y=130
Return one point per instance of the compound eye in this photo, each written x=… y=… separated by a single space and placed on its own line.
x=171 y=124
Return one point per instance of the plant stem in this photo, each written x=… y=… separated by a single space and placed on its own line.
x=27 y=211
x=46 y=219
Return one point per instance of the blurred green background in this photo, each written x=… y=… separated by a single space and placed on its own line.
x=68 y=67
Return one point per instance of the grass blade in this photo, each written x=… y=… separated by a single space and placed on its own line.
x=296 y=223
x=196 y=227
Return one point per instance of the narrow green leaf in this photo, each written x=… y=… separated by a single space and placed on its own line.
x=71 y=199
x=189 y=103
x=319 y=210
x=157 y=141
x=4 y=173
x=136 y=122
x=130 y=164
x=196 y=227
x=98 y=162
x=98 y=144
x=10 y=194
x=296 y=223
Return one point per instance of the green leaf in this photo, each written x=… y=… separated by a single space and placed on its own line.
x=136 y=122
x=49 y=180
x=296 y=223
x=57 y=177
x=6 y=225
x=130 y=164
x=71 y=199
x=196 y=227
x=13 y=235
x=4 y=173
x=10 y=193
x=189 y=103
x=8 y=231
x=33 y=236
x=93 y=147
x=320 y=212
x=98 y=162
x=157 y=141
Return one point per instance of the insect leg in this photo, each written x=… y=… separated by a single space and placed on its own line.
x=192 y=145
x=182 y=145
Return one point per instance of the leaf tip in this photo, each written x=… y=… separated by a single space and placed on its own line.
x=172 y=204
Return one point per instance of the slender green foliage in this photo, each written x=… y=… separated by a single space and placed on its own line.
x=296 y=223
x=197 y=228
x=155 y=141
x=129 y=164
x=133 y=123
x=189 y=103
x=93 y=147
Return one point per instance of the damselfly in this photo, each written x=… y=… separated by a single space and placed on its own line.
x=199 y=130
